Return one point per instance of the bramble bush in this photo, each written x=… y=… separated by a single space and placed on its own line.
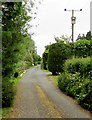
x=76 y=80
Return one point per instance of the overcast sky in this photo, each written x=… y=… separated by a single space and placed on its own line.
x=54 y=21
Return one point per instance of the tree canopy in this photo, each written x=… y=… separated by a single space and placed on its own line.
x=18 y=48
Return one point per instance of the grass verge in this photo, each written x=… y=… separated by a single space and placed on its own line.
x=6 y=111
x=53 y=79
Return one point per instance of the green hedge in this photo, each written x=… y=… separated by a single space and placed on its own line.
x=83 y=48
x=81 y=65
x=76 y=81
x=44 y=60
x=8 y=92
x=58 y=53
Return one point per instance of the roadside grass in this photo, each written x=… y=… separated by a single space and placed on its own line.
x=6 y=111
x=45 y=70
x=0 y=113
x=53 y=79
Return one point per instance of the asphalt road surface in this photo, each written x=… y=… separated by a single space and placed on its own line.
x=37 y=97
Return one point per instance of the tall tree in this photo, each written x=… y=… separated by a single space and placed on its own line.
x=17 y=45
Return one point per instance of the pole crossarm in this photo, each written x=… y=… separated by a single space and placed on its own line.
x=73 y=10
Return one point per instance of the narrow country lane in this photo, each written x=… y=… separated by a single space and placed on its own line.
x=37 y=97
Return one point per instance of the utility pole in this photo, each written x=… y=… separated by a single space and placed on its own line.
x=73 y=25
x=73 y=20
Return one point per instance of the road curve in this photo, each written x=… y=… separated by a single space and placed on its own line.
x=37 y=97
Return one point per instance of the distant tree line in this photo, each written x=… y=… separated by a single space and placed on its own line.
x=88 y=36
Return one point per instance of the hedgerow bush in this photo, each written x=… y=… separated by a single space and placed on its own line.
x=8 y=92
x=81 y=65
x=58 y=53
x=76 y=80
x=78 y=88
x=44 y=60
x=83 y=48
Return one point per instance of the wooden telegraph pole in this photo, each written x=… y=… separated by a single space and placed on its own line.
x=73 y=20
